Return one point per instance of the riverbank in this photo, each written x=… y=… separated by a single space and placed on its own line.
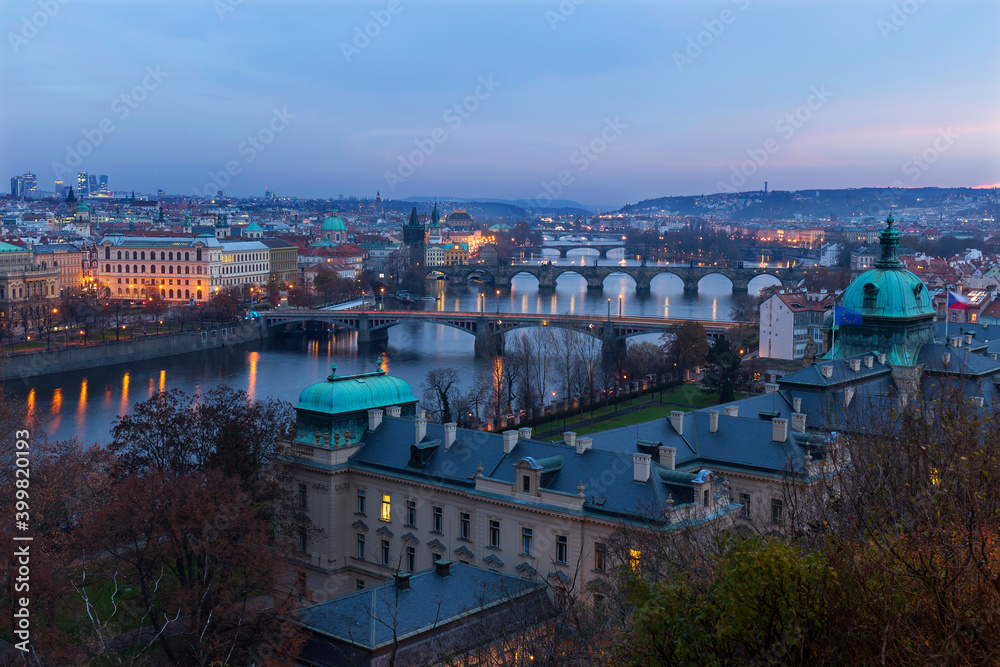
x=47 y=362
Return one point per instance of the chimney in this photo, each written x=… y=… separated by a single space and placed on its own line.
x=640 y=467
x=881 y=358
x=442 y=568
x=798 y=422
x=421 y=424
x=713 y=421
x=770 y=387
x=509 y=440
x=421 y=413
x=869 y=361
x=956 y=341
x=855 y=365
x=993 y=356
x=978 y=401
x=583 y=444
x=402 y=581
x=968 y=338
x=374 y=419
x=393 y=410
x=946 y=358
x=779 y=429
x=569 y=437
x=731 y=411
x=796 y=405
x=449 y=434
x=826 y=371
x=524 y=433
x=668 y=457
x=677 y=421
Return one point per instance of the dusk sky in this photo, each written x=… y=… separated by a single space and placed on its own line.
x=672 y=98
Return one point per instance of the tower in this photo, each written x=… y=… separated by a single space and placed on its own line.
x=434 y=231
x=83 y=184
x=413 y=238
x=222 y=226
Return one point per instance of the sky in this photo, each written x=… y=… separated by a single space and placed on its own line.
x=603 y=103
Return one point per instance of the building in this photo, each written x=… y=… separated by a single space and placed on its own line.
x=394 y=493
x=70 y=258
x=284 y=260
x=181 y=269
x=434 y=255
x=455 y=254
x=333 y=230
x=458 y=218
x=791 y=324
x=102 y=184
x=863 y=259
x=829 y=255
x=434 y=236
x=22 y=279
x=242 y=263
x=980 y=301
x=424 y=618
x=414 y=239
x=82 y=184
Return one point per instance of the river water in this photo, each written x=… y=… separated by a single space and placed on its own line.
x=85 y=404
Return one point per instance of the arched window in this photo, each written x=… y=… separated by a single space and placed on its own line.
x=152 y=268
x=871 y=294
x=144 y=254
x=107 y=268
x=170 y=256
x=119 y=291
x=119 y=268
x=199 y=294
x=171 y=270
x=126 y=268
x=143 y=291
x=163 y=256
x=187 y=257
x=119 y=254
x=171 y=294
x=198 y=254
x=187 y=270
x=199 y=270
x=135 y=268
x=143 y=268
x=187 y=294
x=107 y=252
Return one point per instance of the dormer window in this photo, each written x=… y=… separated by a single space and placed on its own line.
x=871 y=293
x=526 y=483
x=918 y=292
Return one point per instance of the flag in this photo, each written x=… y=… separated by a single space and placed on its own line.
x=958 y=301
x=843 y=315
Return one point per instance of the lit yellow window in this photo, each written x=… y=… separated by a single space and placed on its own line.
x=386 y=511
x=633 y=558
x=935 y=477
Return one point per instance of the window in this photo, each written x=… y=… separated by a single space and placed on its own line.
x=745 y=501
x=411 y=559
x=361 y=546
x=386 y=514
x=600 y=556
x=776 y=507
x=359 y=584
x=303 y=496
x=705 y=502
x=871 y=293
x=437 y=519
x=466 y=526
x=562 y=548
x=526 y=483
x=495 y=534
x=634 y=557
x=385 y=552
x=411 y=513
x=361 y=501
x=526 y=537
x=303 y=541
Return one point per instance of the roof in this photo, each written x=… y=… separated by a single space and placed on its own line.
x=372 y=617
x=7 y=247
x=333 y=223
x=352 y=393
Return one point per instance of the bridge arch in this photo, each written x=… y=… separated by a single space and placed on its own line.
x=716 y=273
x=762 y=280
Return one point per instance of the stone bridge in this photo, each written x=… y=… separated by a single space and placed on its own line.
x=488 y=329
x=548 y=274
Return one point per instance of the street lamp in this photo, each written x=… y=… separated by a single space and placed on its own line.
x=498 y=302
x=609 y=309
x=619 y=306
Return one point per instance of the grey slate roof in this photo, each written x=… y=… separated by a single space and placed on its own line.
x=368 y=617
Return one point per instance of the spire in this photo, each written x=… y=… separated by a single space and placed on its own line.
x=70 y=198
x=414 y=220
x=889 y=243
x=435 y=218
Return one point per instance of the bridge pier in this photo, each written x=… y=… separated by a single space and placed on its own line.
x=740 y=285
x=595 y=284
x=691 y=285
x=642 y=286
x=489 y=344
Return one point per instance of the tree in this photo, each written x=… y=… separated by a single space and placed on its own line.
x=744 y=308
x=722 y=370
x=685 y=347
x=441 y=391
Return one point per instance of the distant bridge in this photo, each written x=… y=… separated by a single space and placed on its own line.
x=547 y=274
x=489 y=329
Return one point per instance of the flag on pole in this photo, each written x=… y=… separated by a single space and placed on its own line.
x=843 y=315
x=959 y=301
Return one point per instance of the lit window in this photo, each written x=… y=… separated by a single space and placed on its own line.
x=386 y=509
x=600 y=556
x=935 y=477
x=634 y=556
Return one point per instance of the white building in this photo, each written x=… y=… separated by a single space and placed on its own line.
x=790 y=322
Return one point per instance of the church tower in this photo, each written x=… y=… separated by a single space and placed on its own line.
x=413 y=238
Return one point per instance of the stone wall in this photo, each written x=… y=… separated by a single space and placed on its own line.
x=153 y=347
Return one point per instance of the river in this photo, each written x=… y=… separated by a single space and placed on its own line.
x=85 y=404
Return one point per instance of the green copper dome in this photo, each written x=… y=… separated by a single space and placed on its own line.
x=355 y=393
x=888 y=290
x=334 y=224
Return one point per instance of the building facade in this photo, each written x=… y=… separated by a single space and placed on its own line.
x=22 y=280
x=791 y=324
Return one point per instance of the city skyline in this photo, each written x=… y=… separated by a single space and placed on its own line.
x=597 y=103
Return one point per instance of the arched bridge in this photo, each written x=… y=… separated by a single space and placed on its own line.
x=489 y=329
x=547 y=274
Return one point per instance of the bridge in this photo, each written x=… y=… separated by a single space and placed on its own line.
x=489 y=329
x=547 y=274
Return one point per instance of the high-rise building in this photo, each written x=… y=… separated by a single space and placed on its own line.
x=57 y=188
x=103 y=185
x=30 y=184
x=15 y=186
x=159 y=193
x=82 y=184
x=92 y=186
